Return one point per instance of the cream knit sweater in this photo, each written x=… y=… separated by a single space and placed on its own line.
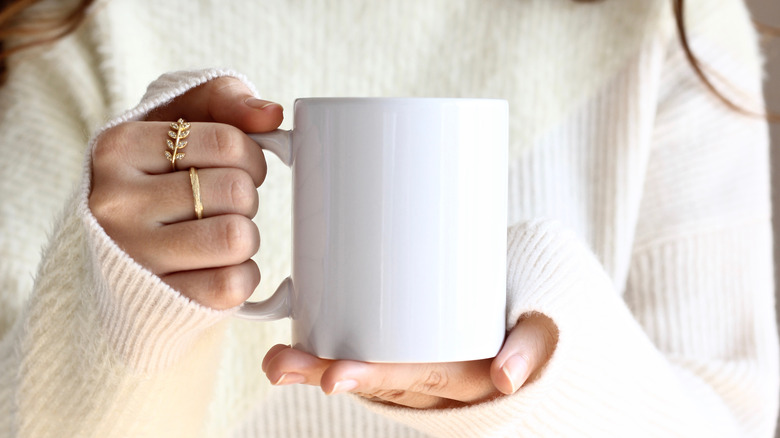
x=639 y=208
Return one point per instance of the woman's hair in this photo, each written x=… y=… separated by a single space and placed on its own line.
x=41 y=30
x=46 y=29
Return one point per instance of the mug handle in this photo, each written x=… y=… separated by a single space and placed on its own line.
x=277 y=306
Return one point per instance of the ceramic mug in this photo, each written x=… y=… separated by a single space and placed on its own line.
x=399 y=228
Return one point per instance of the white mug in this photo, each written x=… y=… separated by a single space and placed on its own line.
x=399 y=228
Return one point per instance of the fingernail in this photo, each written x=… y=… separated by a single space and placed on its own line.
x=289 y=379
x=343 y=386
x=256 y=103
x=515 y=369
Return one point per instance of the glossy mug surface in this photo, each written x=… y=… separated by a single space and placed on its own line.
x=399 y=228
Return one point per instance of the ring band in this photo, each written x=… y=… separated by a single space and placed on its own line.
x=195 y=182
x=176 y=142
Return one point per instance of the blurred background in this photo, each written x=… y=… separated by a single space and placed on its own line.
x=768 y=12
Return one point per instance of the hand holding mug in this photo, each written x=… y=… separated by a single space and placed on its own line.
x=526 y=351
x=148 y=208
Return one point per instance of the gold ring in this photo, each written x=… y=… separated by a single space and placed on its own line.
x=195 y=182
x=180 y=131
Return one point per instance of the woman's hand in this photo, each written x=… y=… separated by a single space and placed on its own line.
x=148 y=209
x=439 y=385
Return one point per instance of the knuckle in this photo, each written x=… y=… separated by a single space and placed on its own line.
x=109 y=145
x=391 y=395
x=242 y=193
x=240 y=237
x=218 y=85
x=123 y=228
x=103 y=206
x=221 y=87
x=109 y=204
x=546 y=337
x=549 y=342
x=434 y=381
x=550 y=331
x=227 y=142
x=228 y=286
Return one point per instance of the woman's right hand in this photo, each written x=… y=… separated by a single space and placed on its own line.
x=148 y=209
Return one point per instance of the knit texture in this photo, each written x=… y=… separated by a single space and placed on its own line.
x=639 y=207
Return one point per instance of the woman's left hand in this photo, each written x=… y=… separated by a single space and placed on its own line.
x=425 y=385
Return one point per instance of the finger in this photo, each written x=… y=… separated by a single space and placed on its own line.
x=224 y=100
x=222 y=191
x=141 y=146
x=288 y=365
x=410 y=399
x=527 y=349
x=276 y=349
x=461 y=381
x=213 y=242
x=217 y=288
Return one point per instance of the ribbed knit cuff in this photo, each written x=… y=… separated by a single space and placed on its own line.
x=168 y=87
x=148 y=323
x=544 y=260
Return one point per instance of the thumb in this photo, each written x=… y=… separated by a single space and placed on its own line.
x=223 y=100
x=526 y=351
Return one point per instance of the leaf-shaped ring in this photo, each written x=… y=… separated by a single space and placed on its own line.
x=180 y=131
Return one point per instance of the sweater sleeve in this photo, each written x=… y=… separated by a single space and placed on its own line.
x=102 y=347
x=689 y=346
